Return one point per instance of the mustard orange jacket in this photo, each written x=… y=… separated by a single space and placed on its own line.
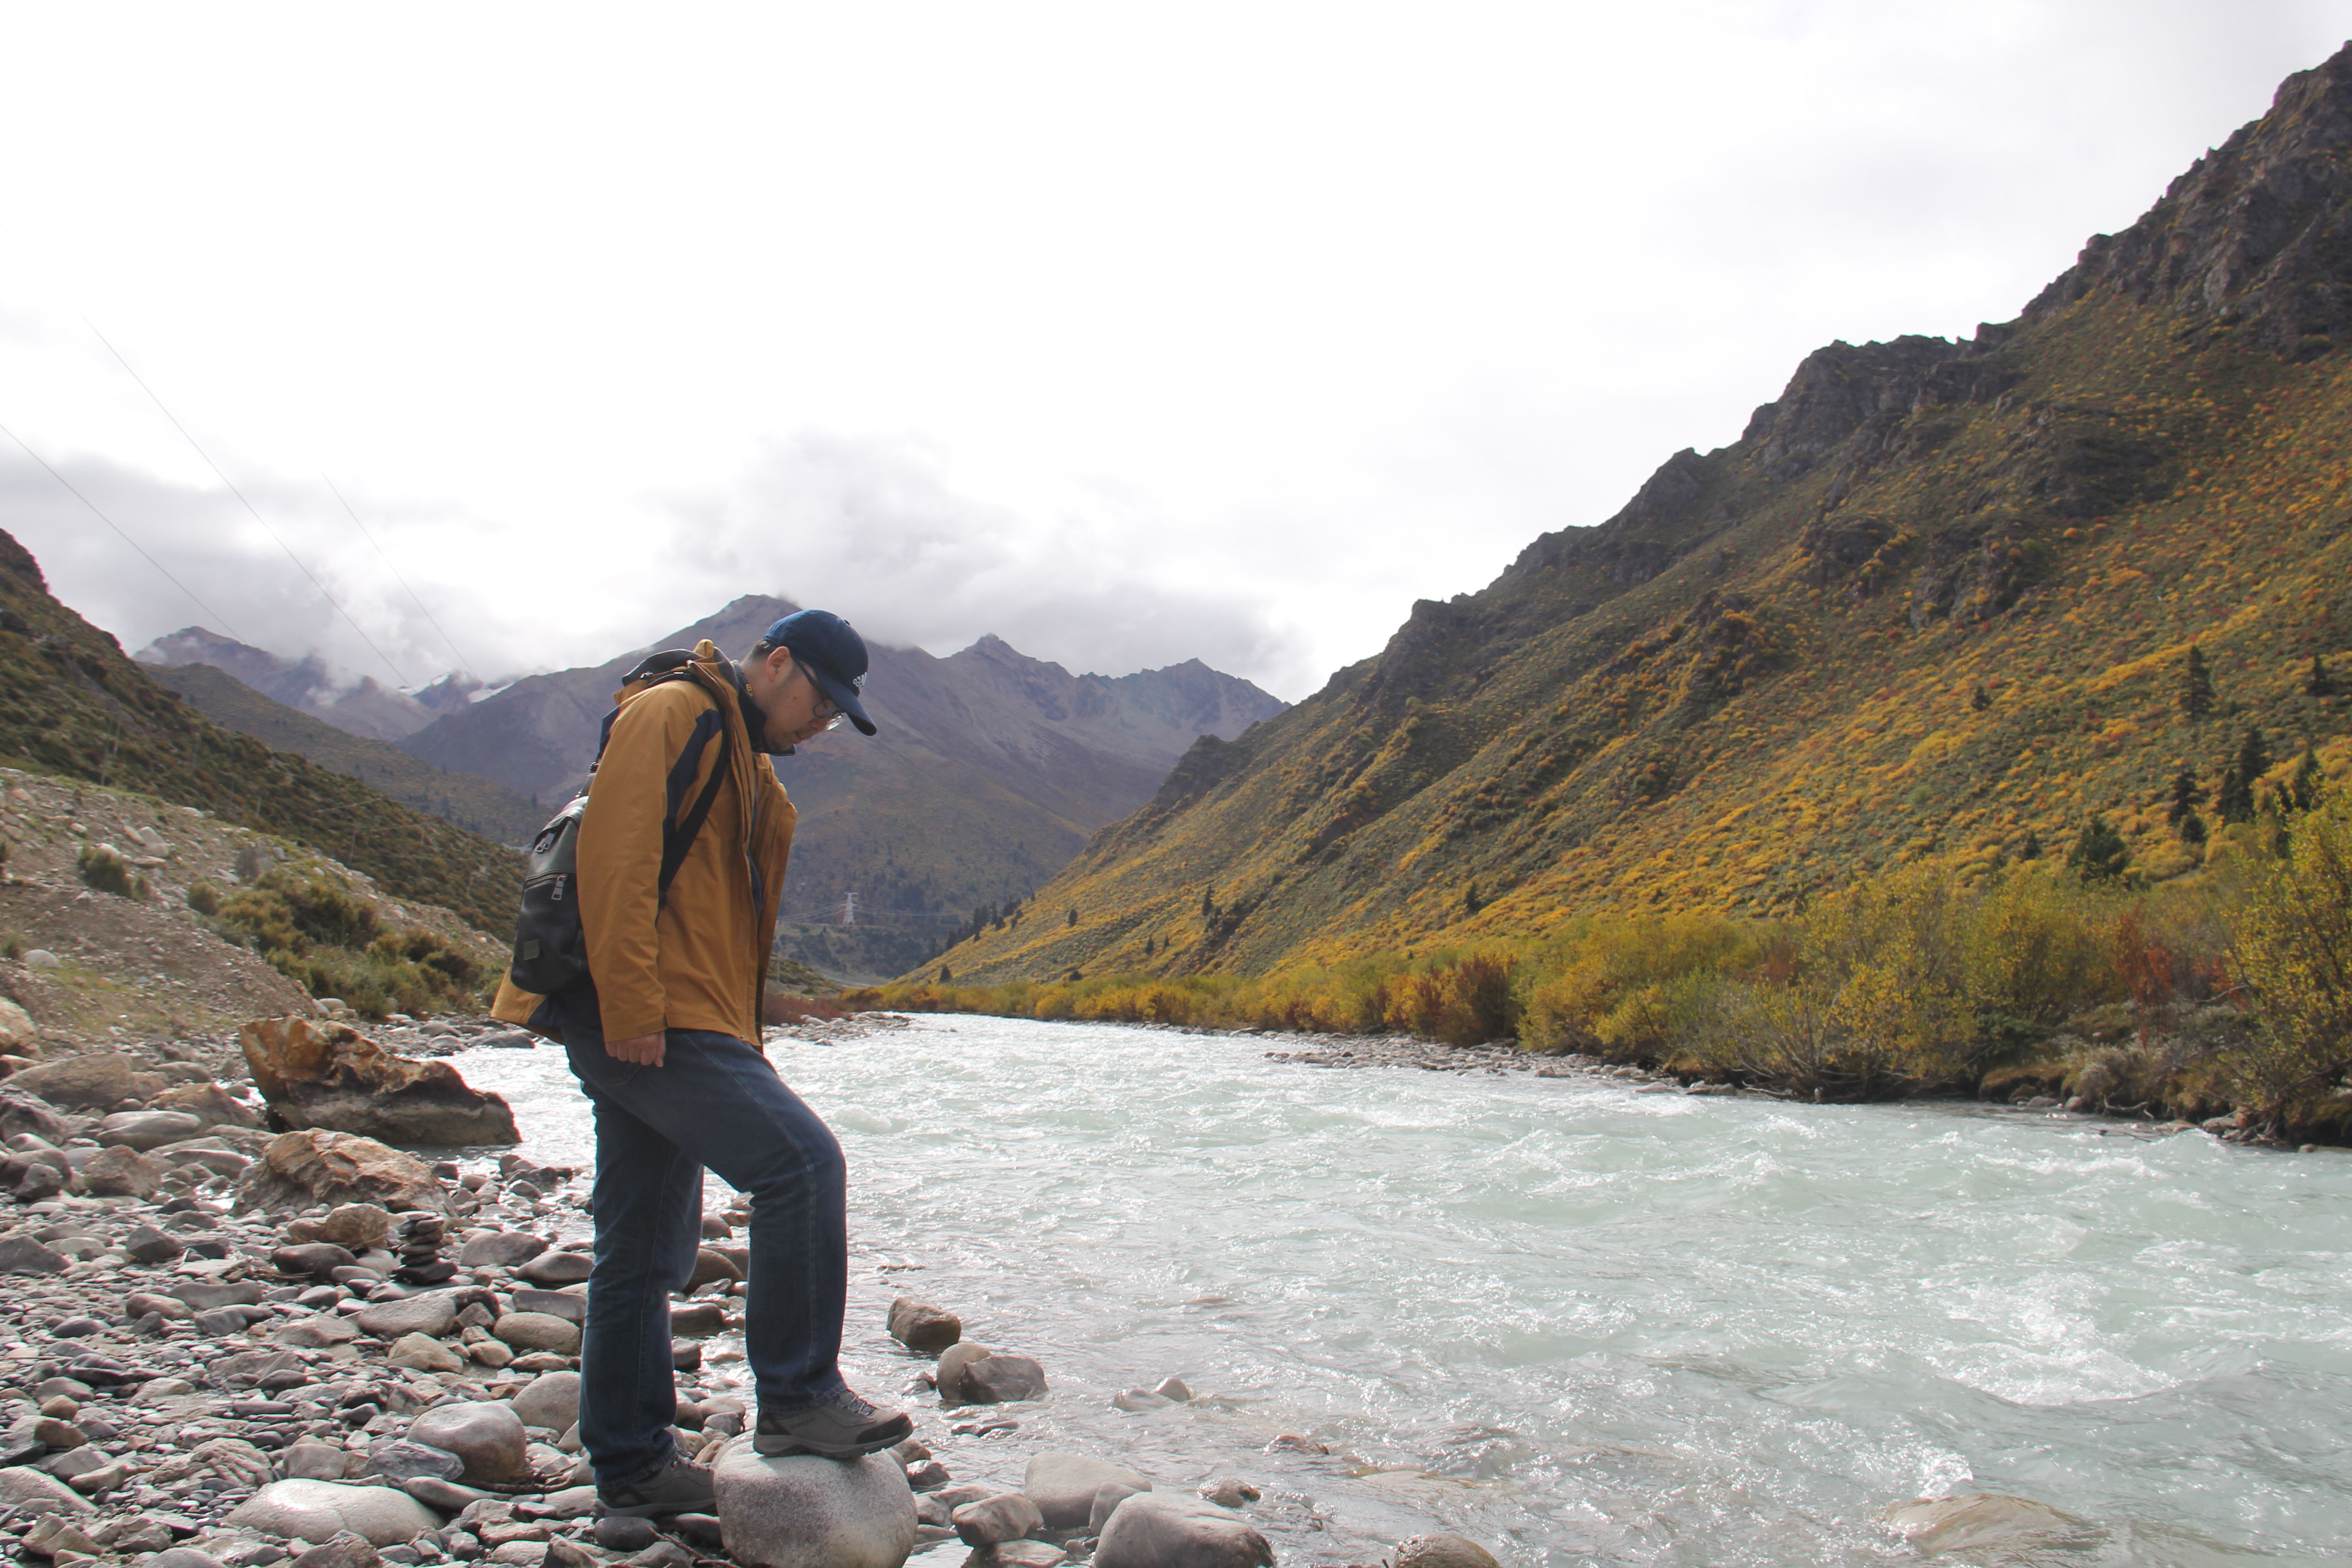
x=701 y=960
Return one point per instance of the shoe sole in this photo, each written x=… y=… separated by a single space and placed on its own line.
x=780 y=1447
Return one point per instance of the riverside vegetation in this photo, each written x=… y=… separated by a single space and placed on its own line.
x=2226 y=993
x=1754 y=777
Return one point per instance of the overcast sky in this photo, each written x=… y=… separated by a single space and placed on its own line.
x=1131 y=334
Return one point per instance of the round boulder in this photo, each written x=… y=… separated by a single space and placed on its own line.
x=144 y=1129
x=500 y=1250
x=805 y=1512
x=550 y=1400
x=1063 y=1485
x=538 y=1331
x=551 y=1268
x=1443 y=1549
x=316 y=1510
x=919 y=1326
x=488 y=1437
x=1153 y=1530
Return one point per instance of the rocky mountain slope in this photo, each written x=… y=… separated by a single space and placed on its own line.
x=308 y=685
x=1935 y=606
x=473 y=803
x=990 y=771
x=75 y=707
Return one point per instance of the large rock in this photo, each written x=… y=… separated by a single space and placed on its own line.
x=23 y=1255
x=557 y=1269
x=434 y=1313
x=538 y=1331
x=356 y=1227
x=119 y=1173
x=488 y=1436
x=95 y=1082
x=1443 y=1549
x=144 y=1129
x=919 y=1326
x=299 y=1170
x=552 y=1399
x=1154 y=1530
x=18 y=1033
x=1063 y=1485
x=806 y=1512
x=1977 y=1520
x=1002 y=1379
x=501 y=1250
x=27 y=1488
x=315 y=1510
x=26 y=1113
x=1007 y=1516
x=208 y=1104
x=328 y=1075
x=569 y=1305
x=954 y=1360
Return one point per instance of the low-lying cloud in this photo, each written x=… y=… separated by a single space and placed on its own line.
x=866 y=528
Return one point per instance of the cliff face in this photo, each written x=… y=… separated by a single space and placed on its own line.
x=1933 y=606
x=989 y=769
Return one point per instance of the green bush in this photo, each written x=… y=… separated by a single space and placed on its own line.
x=2294 y=952
x=105 y=870
x=326 y=938
x=203 y=898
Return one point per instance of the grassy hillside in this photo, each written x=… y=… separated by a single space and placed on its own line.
x=72 y=705
x=473 y=803
x=1933 y=609
x=1977 y=719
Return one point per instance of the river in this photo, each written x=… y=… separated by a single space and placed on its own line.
x=1582 y=1324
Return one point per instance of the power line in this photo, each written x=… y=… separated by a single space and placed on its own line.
x=239 y=494
x=399 y=579
x=210 y=612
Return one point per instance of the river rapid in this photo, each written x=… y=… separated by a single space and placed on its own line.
x=1580 y=1324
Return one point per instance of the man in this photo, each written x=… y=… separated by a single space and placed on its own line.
x=663 y=1037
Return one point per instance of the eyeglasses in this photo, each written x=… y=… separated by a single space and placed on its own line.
x=829 y=712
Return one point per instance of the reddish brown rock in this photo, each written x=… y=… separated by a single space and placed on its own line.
x=328 y=1075
x=299 y=1170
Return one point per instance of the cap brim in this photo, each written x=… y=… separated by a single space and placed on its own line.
x=842 y=695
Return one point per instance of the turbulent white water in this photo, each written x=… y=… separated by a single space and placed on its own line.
x=1585 y=1325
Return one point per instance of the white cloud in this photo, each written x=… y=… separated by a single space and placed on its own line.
x=1226 y=329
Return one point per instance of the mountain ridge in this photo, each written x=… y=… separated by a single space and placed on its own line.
x=1925 y=610
x=989 y=769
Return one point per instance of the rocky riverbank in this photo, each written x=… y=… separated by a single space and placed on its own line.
x=1428 y=1055
x=224 y=1347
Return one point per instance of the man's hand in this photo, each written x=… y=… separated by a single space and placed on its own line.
x=645 y=1050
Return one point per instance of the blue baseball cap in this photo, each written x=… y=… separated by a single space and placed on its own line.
x=834 y=653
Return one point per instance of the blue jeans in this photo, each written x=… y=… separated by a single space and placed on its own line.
x=716 y=1102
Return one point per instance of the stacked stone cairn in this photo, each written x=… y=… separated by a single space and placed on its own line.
x=421 y=1263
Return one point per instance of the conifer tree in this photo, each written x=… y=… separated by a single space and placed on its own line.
x=2320 y=682
x=947 y=975
x=2099 y=854
x=2253 y=762
x=2187 y=795
x=2196 y=686
x=2233 y=798
x=2032 y=849
x=1982 y=701
x=1471 y=902
x=1074 y=914
x=2310 y=781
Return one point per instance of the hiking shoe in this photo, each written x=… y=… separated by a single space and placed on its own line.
x=843 y=1428
x=682 y=1486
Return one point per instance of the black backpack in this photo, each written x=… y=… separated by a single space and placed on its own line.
x=551 y=952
